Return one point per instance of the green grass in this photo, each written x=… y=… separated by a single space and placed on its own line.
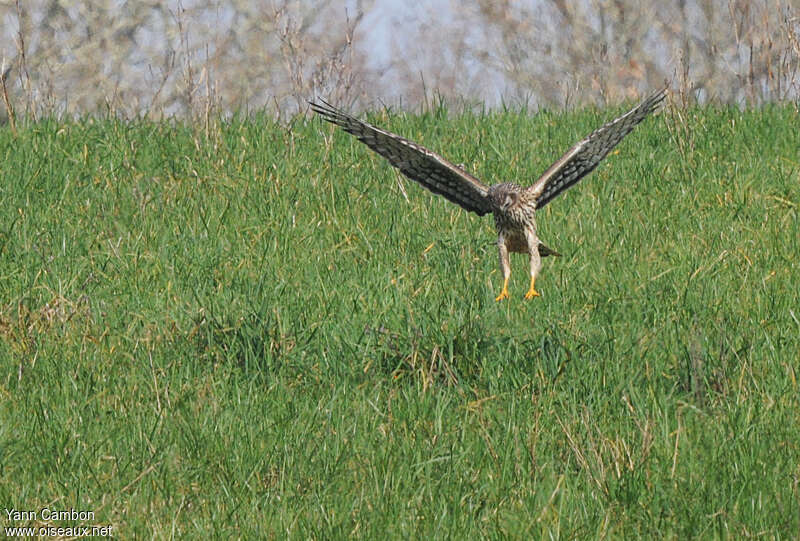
x=254 y=334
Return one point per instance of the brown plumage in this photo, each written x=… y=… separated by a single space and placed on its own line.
x=514 y=207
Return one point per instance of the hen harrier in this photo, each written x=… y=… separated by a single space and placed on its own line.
x=514 y=207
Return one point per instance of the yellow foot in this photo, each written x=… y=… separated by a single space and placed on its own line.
x=504 y=293
x=531 y=294
x=531 y=290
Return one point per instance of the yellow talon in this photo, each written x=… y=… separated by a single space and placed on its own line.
x=532 y=291
x=531 y=294
x=504 y=293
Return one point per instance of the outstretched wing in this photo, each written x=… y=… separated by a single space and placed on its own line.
x=414 y=161
x=582 y=158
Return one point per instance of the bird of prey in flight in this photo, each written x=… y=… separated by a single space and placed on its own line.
x=513 y=206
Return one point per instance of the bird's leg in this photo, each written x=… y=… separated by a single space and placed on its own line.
x=532 y=290
x=536 y=263
x=505 y=266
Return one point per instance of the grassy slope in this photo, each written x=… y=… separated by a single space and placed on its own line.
x=258 y=335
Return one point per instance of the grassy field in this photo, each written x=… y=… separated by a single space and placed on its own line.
x=249 y=331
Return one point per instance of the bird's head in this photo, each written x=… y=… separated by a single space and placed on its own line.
x=504 y=196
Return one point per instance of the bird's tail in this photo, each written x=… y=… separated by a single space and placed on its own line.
x=544 y=251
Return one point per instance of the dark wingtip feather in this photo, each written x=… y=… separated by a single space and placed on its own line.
x=326 y=110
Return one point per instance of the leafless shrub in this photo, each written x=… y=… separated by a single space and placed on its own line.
x=6 y=100
x=727 y=50
x=182 y=59
x=195 y=57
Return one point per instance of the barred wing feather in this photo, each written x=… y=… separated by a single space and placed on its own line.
x=414 y=161
x=582 y=158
